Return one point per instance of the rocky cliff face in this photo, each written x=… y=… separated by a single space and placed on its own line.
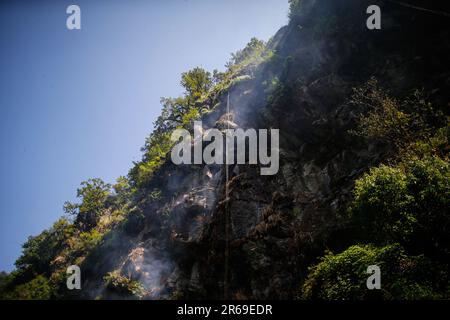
x=254 y=236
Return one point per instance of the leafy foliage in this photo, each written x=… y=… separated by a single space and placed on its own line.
x=155 y=150
x=93 y=193
x=409 y=204
x=343 y=276
x=38 y=251
x=386 y=119
x=399 y=212
x=40 y=270
x=122 y=285
x=197 y=83
x=251 y=51
x=37 y=289
x=381 y=205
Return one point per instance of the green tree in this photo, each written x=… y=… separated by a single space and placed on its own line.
x=156 y=148
x=171 y=115
x=93 y=194
x=343 y=276
x=39 y=251
x=122 y=191
x=428 y=182
x=5 y=280
x=37 y=289
x=253 y=49
x=380 y=208
x=197 y=82
x=408 y=203
x=398 y=122
x=175 y=113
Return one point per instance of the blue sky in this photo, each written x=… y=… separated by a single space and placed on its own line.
x=78 y=104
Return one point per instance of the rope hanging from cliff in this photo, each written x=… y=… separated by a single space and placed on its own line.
x=227 y=218
x=411 y=6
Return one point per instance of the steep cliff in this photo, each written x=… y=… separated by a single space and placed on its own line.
x=213 y=234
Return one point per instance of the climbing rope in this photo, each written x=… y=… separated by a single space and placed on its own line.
x=227 y=218
x=407 y=5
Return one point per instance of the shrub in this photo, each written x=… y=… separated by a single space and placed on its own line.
x=408 y=203
x=93 y=194
x=380 y=209
x=428 y=182
x=386 y=119
x=343 y=276
x=37 y=289
x=123 y=286
x=252 y=52
x=155 y=151
x=39 y=251
x=89 y=240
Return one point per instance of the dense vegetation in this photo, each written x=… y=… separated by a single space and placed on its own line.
x=400 y=212
x=41 y=269
x=396 y=218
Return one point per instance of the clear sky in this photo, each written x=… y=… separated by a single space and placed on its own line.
x=78 y=104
